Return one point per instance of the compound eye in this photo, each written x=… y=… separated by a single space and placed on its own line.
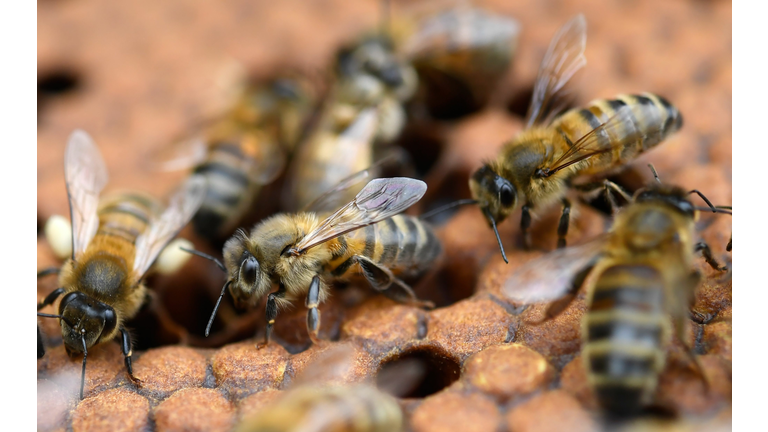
x=250 y=269
x=506 y=195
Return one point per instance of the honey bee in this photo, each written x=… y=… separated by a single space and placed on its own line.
x=303 y=252
x=537 y=167
x=242 y=151
x=315 y=404
x=460 y=55
x=115 y=241
x=364 y=110
x=636 y=276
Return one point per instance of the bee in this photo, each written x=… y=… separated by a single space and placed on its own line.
x=636 y=277
x=242 y=151
x=303 y=253
x=115 y=241
x=537 y=167
x=318 y=403
x=364 y=110
x=460 y=55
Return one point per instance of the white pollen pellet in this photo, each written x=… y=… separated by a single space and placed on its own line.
x=172 y=258
x=58 y=232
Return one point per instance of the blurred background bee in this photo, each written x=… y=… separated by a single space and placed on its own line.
x=538 y=166
x=302 y=253
x=242 y=150
x=114 y=243
x=320 y=399
x=636 y=276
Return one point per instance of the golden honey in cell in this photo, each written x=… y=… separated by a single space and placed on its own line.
x=115 y=241
x=536 y=168
x=303 y=253
x=636 y=277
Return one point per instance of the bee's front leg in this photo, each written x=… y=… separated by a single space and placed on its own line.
x=271 y=313
x=127 y=347
x=313 y=315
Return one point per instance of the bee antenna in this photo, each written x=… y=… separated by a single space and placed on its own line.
x=711 y=207
x=61 y=317
x=85 y=356
x=715 y=210
x=653 y=170
x=206 y=256
x=448 y=206
x=495 y=230
x=216 y=308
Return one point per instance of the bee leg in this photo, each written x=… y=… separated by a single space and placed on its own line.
x=50 y=298
x=271 y=313
x=48 y=271
x=707 y=253
x=313 y=315
x=127 y=346
x=562 y=227
x=383 y=281
x=40 y=346
x=525 y=223
x=730 y=244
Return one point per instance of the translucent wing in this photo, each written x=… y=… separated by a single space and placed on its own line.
x=564 y=57
x=619 y=128
x=86 y=175
x=551 y=276
x=332 y=199
x=379 y=199
x=182 y=206
x=181 y=154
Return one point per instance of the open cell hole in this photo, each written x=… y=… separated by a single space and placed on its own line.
x=418 y=373
x=423 y=143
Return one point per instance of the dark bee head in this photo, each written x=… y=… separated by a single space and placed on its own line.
x=375 y=56
x=84 y=316
x=669 y=195
x=496 y=195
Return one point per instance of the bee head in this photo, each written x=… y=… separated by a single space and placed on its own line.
x=669 y=195
x=85 y=320
x=375 y=56
x=247 y=278
x=496 y=195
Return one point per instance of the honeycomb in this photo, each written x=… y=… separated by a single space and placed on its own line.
x=135 y=75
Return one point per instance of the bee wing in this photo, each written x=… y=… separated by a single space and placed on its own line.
x=551 y=276
x=181 y=154
x=331 y=199
x=379 y=199
x=86 y=175
x=620 y=127
x=182 y=206
x=564 y=57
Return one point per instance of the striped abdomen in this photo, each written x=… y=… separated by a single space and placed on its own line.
x=230 y=188
x=651 y=119
x=403 y=244
x=124 y=216
x=624 y=334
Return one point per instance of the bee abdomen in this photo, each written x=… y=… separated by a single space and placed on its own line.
x=126 y=215
x=406 y=242
x=650 y=119
x=228 y=189
x=624 y=334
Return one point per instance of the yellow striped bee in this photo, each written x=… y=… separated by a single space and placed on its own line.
x=115 y=241
x=303 y=252
x=242 y=151
x=537 y=167
x=636 y=277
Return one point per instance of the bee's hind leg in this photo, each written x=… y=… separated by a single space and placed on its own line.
x=383 y=281
x=707 y=253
